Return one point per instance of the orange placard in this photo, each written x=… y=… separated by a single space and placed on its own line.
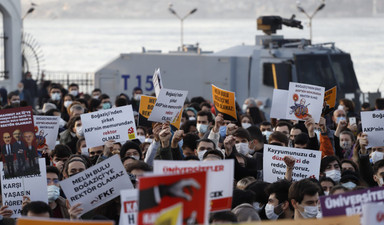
x=224 y=102
x=337 y=220
x=35 y=221
x=330 y=97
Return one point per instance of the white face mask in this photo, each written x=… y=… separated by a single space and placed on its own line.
x=326 y=192
x=53 y=193
x=340 y=107
x=309 y=212
x=96 y=96
x=200 y=154
x=270 y=212
x=350 y=185
x=135 y=157
x=141 y=138
x=335 y=175
x=242 y=148
x=346 y=145
x=80 y=131
x=74 y=93
x=376 y=156
x=191 y=118
x=67 y=103
x=56 y=96
x=137 y=97
x=381 y=182
x=266 y=134
x=149 y=140
x=202 y=128
x=244 y=108
x=246 y=125
x=256 y=205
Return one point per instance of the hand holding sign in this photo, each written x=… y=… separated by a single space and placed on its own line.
x=310 y=125
x=74 y=211
x=5 y=212
x=323 y=125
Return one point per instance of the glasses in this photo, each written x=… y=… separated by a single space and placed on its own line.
x=55 y=181
x=96 y=153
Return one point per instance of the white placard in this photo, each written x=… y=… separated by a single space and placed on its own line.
x=279 y=102
x=168 y=105
x=307 y=163
x=48 y=128
x=304 y=99
x=373 y=125
x=220 y=176
x=111 y=124
x=97 y=185
x=373 y=214
x=33 y=186
x=157 y=82
x=129 y=208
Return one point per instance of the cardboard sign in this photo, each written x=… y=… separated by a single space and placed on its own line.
x=146 y=105
x=33 y=186
x=224 y=102
x=46 y=130
x=220 y=173
x=337 y=220
x=350 y=203
x=129 y=208
x=172 y=215
x=307 y=163
x=373 y=214
x=111 y=124
x=304 y=99
x=279 y=102
x=330 y=97
x=18 y=142
x=97 y=185
x=373 y=126
x=158 y=192
x=157 y=82
x=168 y=106
x=45 y=221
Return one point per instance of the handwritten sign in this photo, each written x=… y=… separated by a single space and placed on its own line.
x=224 y=102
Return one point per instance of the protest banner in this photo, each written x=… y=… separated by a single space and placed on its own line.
x=168 y=106
x=279 y=101
x=97 y=185
x=224 y=102
x=307 y=164
x=34 y=186
x=304 y=99
x=158 y=192
x=329 y=100
x=46 y=221
x=350 y=203
x=172 y=215
x=373 y=214
x=46 y=130
x=336 y=220
x=110 y=124
x=373 y=125
x=18 y=142
x=220 y=173
x=129 y=208
x=145 y=109
x=157 y=82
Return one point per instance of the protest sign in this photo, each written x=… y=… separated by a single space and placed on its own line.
x=110 y=124
x=146 y=105
x=373 y=214
x=18 y=142
x=172 y=215
x=46 y=130
x=158 y=192
x=350 y=203
x=168 y=105
x=97 y=185
x=45 y=221
x=279 y=101
x=329 y=100
x=129 y=209
x=224 y=102
x=307 y=164
x=336 y=220
x=373 y=125
x=157 y=82
x=34 y=186
x=304 y=99
x=220 y=173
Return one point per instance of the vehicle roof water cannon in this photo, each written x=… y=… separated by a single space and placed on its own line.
x=269 y=24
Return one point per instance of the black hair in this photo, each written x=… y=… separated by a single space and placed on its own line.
x=326 y=160
x=224 y=216
x=278 y=136
x=190 y=141
x=242 y=133
x=138 y=165
x=213 y=152
x=191 y=157
x=255 y=134
x=205 y=113
x=379 y=103
x=73 y=85
x=242 y=196
x=36 y=207
x=53 y=169
x=299 y=189
x=61 y=151
x=283 y=123
x=301 y=139
x=280 y=189
x=103 y=96
x=379 y=164
x=206 y=140
x=130 y=145
x=257 y=187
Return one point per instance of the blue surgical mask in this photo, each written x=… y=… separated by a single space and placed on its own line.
x=107 y=105
x=202 y=128
x=223 y=131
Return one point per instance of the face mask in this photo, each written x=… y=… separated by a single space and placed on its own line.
x=15 y=102
x=137 y=97
x=340 y=107
x=350 y=185
x=84 y=151
x=74 y=93
x=94 y=159
x=340 y=118
x=149 y=140
x=381 y=182
x=309 y=212
x=136 y=157
x=202 y=128
x=251 y=151
x=79 y=131
x=335 y=175
x=319 y=214
x=223 y=131
x=95 y=97
x=242 y=148
x=376 y=156
x=256 y=205
x=56 y=96
x=266 y=134
x=192 y=118
x=62 y=123
x=318 y=133
x=326 y=192
x=53 y=193
x=270 y=212
x=244 y=108
x=67 y=103
x=200 y=154
x=141 y=138
x=107 y=105
x=346 y=145
x=246 y=125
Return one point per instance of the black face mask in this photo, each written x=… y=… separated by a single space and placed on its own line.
x=94 y=159
x=73 y=174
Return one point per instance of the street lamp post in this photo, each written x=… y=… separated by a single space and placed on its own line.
x=171 y=10
x=310 y=17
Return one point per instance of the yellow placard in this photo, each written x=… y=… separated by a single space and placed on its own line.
x=224 y=102
x=36 y=221
x=330 y=97
x=337 y=220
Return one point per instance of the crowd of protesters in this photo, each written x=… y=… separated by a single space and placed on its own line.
x=346 y=165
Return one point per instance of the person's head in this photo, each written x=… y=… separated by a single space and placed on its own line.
x=278 y=202
x=242 y=139
x=347 y=164
x=37 y=209
x=74 y=165
x=55 y=92
x=116 y=148
x=189 y=126
x=256 y=141
x=7 y=138
x=347 y=140
x=295 y=130
x=330 y=166
x=80 y=144
x=347 y=105
x=53 y=187
x=260 y=196
x=265 y=126
x=191 y=112
x=28 y=136
x=350 y=179
x=366 y=106
x=244 y=182
x=339 y=113
x=379 y=103
x=96 y=93
x=95 y=151
x=278 y=138
x=136 y=93
x=138 y=168
x=73 y=89
x=204 y=145
x=189 y=144
x=222 y=217
x=13 y=98
x=205 y=106
x=95 y=105
x=377 y=153
x=60 y=153
x=131 y=149
x=284 y=128
x=204 y=120
x=246 y=121
x=304 y=197
x=212 y=155
x=326 y=184
x=301 y=140
x=248 y=103
x=338 y=189
x=378 y=172
x=16 y=134
x=75 y=109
